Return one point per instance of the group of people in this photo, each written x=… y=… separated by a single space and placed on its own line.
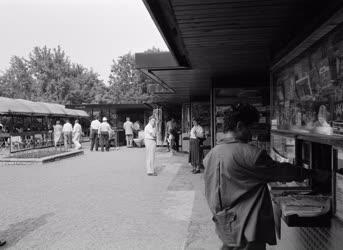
x=100 y=133
x=69 y=133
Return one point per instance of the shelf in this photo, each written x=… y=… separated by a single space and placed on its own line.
x=334 y=140
x=316 y=221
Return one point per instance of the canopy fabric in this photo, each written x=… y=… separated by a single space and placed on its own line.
x=8 y=105
x=25 y=107
x=36 y=107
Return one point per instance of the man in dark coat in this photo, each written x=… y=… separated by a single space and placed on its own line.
x=236 y=176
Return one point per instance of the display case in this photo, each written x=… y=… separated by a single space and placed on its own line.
x=308 y=203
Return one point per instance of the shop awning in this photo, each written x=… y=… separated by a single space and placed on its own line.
x=8 y=105
x=25 y=107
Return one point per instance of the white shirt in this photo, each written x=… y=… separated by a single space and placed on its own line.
x=128 y=126
x=95 y=124
x=104 y=127
x=197 y=132
x=77 y=128
x=149 y=132
x=58 y=128
x=67 y=127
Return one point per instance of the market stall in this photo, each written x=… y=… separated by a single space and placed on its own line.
x=28 y=125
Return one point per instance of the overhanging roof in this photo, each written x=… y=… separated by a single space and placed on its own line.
x=235 y=41
x=114 y=107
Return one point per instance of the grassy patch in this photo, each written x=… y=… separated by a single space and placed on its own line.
x=37 y=153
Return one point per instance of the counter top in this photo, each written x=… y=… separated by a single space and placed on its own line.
x=334 y=140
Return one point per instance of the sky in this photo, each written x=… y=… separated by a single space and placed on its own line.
x=92 y=32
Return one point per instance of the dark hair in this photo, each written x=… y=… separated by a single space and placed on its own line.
x=245 y=113
x=195 y=119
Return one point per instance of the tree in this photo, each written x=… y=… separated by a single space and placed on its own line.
x=126 y=83
x=48 y=75
x=16 y=82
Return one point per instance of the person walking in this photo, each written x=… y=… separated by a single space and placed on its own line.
x=150 y=145
x=196 y=137
x=104 y=132
x=77 y=132
x=57 y=133
x=67 y=134
x=236 y=176
x=171 y=132
x=94 y=134
x=128 y=127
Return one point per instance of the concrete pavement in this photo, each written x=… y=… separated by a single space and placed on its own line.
x=105 y=201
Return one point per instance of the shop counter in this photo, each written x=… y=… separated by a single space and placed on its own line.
x=311 y=238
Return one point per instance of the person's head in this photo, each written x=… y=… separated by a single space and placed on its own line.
x=96 y=117
x=238 y=122
x=128 y=119
x=58 y=122
x=104 y=119
x=76 y=121
x=67 y=121
x=172 y=119
x=195 y=122
x=152 y=120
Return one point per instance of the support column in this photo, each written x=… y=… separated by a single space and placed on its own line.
x=213 y=115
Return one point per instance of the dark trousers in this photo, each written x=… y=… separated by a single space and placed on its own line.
x=248 y=246
x=104 y=141
x=94 y=139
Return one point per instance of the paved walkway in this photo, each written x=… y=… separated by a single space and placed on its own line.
x=105 y=201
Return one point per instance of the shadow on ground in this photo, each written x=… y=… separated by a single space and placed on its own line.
x=18 y=231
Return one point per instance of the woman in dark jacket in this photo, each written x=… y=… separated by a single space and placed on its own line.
x=196 y=137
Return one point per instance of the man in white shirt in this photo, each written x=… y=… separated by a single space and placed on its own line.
x=94 y=134
x=128 y=127
x=104 y=132
x=67 y=134
x=77 y=131
x=150 y=145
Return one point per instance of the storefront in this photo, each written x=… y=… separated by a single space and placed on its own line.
x=285 y=58
x=116 y=115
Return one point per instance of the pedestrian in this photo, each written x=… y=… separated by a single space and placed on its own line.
x=104 y=132
x=67 y=134
x=57 y=133
x=236 y=176
x=171 y=134
x=128 y=127
x=196 y=138
x=94 y=134
x=150 y=145
x=77 y=132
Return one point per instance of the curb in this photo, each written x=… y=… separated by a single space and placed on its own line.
x=47 y=159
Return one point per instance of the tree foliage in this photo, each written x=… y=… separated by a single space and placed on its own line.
x=48 y=75
x=126 y=83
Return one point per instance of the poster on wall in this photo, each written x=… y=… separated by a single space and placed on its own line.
x=303 y=88
x=324 y=74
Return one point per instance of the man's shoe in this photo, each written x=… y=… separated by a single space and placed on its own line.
x=152 y=174
x=197 y=171
x=2 y=243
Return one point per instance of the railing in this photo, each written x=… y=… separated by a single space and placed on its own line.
x=30 y=140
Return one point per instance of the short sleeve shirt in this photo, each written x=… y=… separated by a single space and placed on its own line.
x=128 y=128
